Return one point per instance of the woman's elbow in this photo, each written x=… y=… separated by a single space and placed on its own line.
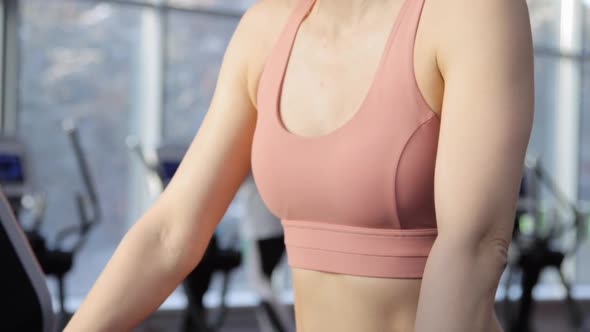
x=486 y=237
x=167 y=242
x=485 y=253
x=181 y=249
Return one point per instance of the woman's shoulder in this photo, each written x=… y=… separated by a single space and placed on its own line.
x=458 y=15
x=469 y=29
x=262 y=24
x=264 y=7
x=264 y=21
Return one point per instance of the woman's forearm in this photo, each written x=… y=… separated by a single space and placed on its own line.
x=137 y=279
x=458 y=287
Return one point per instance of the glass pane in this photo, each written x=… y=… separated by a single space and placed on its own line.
x=76 y=63
x=545 y=22
x=541 y=143
x=196 y=44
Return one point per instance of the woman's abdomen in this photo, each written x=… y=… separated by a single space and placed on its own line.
x=344 y=303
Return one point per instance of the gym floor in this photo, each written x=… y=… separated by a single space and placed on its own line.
x=549 y=317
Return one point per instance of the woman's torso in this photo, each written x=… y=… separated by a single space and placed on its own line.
x=342 y=66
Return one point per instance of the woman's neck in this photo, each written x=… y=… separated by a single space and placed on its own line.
x=348 y=12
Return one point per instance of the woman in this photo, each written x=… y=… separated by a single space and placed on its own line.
x=346 y=106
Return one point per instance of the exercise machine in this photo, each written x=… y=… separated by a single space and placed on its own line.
x=56 y=260
x=26 y=299
x=542 y=248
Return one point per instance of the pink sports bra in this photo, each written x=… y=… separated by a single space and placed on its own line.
x=360 y=199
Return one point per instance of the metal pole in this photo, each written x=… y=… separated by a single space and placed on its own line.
x=146 y=121
x=583 y=275
x=9 y=72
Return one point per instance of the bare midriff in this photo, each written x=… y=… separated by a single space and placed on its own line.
x=345 y=303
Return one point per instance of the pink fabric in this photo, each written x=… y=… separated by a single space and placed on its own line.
x=360 y=199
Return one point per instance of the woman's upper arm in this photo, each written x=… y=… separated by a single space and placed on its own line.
x=218 y=158
x=486 y=59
